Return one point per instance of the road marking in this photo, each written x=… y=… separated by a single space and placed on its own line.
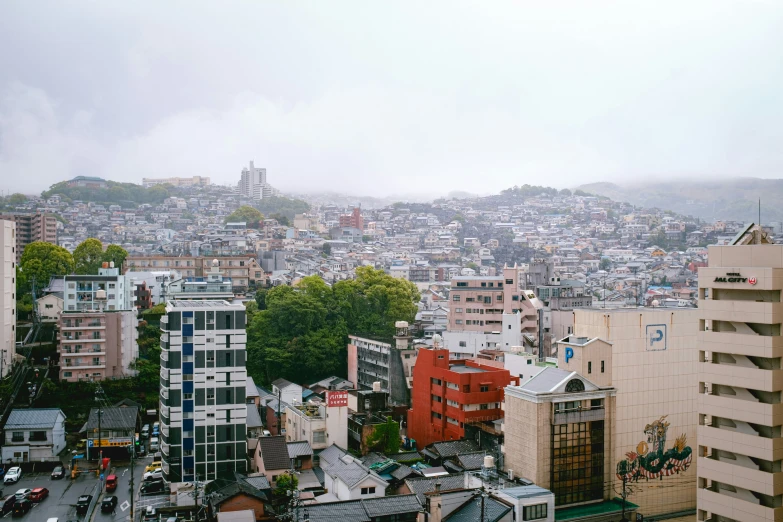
x=125 y=505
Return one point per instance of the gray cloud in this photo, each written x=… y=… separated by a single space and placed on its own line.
x=378 y=98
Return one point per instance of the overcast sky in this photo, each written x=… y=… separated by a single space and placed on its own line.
x=378 y=98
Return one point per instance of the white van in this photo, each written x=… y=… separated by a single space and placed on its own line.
x=145 y=431
x=154 y=444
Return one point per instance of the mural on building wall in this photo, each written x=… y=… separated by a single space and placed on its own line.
x=651 y=459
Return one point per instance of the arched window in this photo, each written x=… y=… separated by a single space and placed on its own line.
x=575 y=385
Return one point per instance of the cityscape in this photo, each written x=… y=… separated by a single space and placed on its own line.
x=361 y=262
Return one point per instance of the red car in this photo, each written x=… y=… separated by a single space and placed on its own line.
x=38 y=494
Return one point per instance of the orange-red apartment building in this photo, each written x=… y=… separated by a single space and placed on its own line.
x=448 y=394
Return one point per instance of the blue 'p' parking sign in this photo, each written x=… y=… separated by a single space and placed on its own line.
x=656 y=337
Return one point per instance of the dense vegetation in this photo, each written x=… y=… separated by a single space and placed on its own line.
x=300 y=333
x=245 y=214
x=282 y=206
x=125 y=194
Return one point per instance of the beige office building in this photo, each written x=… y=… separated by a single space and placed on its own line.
x=642 y=364
x=8 y=293
x=740 y=449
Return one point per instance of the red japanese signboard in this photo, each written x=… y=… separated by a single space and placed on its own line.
x=336 y=398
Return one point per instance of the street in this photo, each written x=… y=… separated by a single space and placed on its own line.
x=64 y=493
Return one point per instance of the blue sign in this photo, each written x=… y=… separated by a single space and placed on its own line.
x=569 y=353
x=89 y=443
x=656 y=337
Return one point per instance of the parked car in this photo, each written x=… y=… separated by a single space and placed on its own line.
x=150 y=514
x=154 y=474
x=83 y=504
x=154 y=444
x=153 y=487
x=21 y=507
x=23 y=493
x=13 y=475
x=7 y=505
x=58 y=472
x=38 y=494
x=145 y=431
x=108 y=504
x=155 y=465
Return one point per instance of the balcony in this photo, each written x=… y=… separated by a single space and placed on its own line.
x=741 y=376
x=769 y=448
x=743 y=344
x=740 y=311
x=736 y=508
x=754 y=412
x=735 y=474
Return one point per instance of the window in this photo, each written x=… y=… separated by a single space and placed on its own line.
x=453 y=404
x=18 y=436
x=535 y=512
x=319 y=437
x=368 y=491
x=458 y=321
x=530 y=361
x=435 y=381
x=455 y=298
x=436 y=415
x=500 y=297
x=589 y=367
x=483 y=406
x=67 y=374
x=96 y=361
x=602 y=367
x=509 y=281
x=458 y=310
x=436 y=398
x=463 y=344
x=228 y=415
x=484 y=388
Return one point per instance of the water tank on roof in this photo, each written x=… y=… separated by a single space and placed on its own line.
x=100 y=294
x=489 y=461
x=376 y=386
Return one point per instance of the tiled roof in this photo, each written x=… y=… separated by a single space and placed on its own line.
x=331 y=454
x=360 y=510
x=251 y=390
x=253 y=417
x=403 y=472
x=274 y=452
x=546 y=380
x=112 y=419
x=420 y=486
x=471 y=461
x=299 y=449
x=260 y=482
x=351 y=472
x=452 y=448
x=470 y=511
x=33 y=418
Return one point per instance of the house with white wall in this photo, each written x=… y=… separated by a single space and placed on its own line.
x=34 y=435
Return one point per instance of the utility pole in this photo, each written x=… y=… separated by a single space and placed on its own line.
x=132 y=450
x=100 y=445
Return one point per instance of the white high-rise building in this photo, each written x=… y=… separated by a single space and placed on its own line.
x=253 y=183
x=203 y=414
x=8 y=293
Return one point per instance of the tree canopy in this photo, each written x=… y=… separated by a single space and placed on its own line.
x=246 y=214
x=283 y=206
x=125 y=194
x=385 y=438
x=89 y=256
x=301 y=333
x=41 y=260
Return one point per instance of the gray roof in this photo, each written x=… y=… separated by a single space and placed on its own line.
x=251 y=390
x=361 y=510
x=253 y=417
x=471 y=461
x=351 y=473
x=274 y=452
x=546 y=380
x=260 y=482
x=331 y=454
x=113 y=418
x=299 y=449
x=452 y=448
x=282 y=383
x=526 y=491
x=470 y=511
x=403 y=472
x=406 y=456
x=34 y=418
x=420 y=486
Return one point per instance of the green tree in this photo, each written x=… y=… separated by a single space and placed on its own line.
x=260 y=298
x=282 y=219
x=605 y=264
x=327 y=248
x=16 y=199
x=115 y=254
x=385 y=438
x=42 y=261
x=246 y=214
x=286 y=482
x=88 y=256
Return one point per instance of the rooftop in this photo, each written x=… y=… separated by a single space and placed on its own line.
x=33 y=418
x=217 y=303
x=461 y=368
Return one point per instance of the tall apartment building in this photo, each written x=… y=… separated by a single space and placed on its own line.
x=353 y=220
x=8 y=293
x=252 y=183
x=448 y=394
x=740 y=457
x=203 y=414
x=30 y=228
x=97 y=330
x=195 y=181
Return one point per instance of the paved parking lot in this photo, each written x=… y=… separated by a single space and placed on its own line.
x=64 y=493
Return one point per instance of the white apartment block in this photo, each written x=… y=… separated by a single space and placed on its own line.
x=203 y=415
x=8 y=293
x=252 y=183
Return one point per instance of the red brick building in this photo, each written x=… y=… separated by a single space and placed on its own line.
x=448 y=394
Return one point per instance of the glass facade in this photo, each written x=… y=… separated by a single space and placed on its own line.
x=578 y=462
